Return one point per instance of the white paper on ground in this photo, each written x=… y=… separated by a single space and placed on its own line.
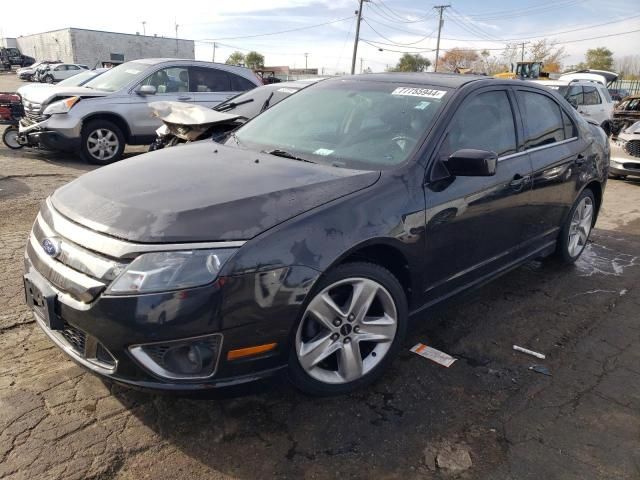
x=433 y=355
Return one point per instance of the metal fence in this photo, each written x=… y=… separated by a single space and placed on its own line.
x=632 y=86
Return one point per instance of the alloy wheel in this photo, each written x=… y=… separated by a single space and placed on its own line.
x=581 y=224
x=346 y=330
x=102 y=144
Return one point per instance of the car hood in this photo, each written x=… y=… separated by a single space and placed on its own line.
x=201 y=192
x=37 y=94
x=182 y=113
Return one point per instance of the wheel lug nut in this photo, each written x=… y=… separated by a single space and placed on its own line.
x=334 y=336
x=347 y=340
x=351 y=317
x=356 y=329
x=337 y=322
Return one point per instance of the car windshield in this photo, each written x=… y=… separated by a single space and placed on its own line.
x=251 y=103
x=78 y=79
x=117 y=77
x=348 y=123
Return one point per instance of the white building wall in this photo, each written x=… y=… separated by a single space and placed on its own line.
x=54 y=45
x=92 y=47
x=7 y=42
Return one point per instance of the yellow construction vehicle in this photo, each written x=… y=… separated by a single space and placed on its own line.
x=528 y=70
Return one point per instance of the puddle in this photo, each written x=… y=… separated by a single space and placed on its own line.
x=600 y=260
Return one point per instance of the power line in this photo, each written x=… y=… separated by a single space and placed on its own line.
x=522 y=12
x=282 y=31
x=381 y=12
x=398 y=44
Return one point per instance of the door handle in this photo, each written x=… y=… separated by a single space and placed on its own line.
x=184 y=97
x=518 y=181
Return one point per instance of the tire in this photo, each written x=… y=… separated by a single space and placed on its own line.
x=578 y=223
x=334 y=369
x=10 y=138
x=92 y=150
x=49 y=79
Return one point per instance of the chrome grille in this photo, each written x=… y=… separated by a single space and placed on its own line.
x=75 y=337
x=632 y=147
x=33 y=111
x=75 y=270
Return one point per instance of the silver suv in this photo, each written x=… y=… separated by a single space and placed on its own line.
x=99 y=118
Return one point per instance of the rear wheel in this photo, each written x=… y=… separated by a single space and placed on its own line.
x=48 y=79
x=102 y=142
x=10 y=138
x=577 y=228
x=350 y=330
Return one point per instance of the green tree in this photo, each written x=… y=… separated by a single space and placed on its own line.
x=236 y=58
x=599 y=58
x=411 y=63
x=254 y=60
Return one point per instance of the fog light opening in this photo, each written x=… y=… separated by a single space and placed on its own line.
x=187 y=359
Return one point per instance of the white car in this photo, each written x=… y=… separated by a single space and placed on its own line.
x=62 y=71
x=588 y=94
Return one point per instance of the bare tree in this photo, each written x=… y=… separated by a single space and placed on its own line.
x=457 y=58
x=628 y=66
x=548 y=53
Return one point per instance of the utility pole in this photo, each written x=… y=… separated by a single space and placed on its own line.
x=522 y=57
x=355 y=43
x=176 y=23
x=305 y=60
x=144 y=27
x=213 y=57
x=440 y=22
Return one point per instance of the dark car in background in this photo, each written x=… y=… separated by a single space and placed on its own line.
x=304 y=242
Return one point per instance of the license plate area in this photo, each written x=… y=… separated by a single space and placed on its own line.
x=43 y=301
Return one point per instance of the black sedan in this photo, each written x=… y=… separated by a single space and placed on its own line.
x=306 y=241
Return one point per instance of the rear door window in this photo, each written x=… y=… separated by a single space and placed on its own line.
x=240 y=84
x=591 y=96
x=543 y=119
x=484 y=122
x=204 y=79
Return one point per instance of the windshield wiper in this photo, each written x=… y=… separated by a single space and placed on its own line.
x=232 y=105
x=283 y=153
x=265 y=105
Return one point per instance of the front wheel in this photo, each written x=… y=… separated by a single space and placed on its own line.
x=10 y=138
x=102 y=142
x=351 y=328
x=577 y=228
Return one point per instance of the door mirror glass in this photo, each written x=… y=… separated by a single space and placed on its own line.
x=147 y=90
x=472 y=163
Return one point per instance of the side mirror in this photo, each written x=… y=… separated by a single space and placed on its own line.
x=573 y=103
x=147 y=90
x=472 y=163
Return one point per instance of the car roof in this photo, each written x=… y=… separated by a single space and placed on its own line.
x=449 y=80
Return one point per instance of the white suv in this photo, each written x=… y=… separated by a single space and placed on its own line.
x=62 y=71
x=591 y=98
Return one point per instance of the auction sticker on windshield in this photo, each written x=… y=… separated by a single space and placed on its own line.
x=419 y=92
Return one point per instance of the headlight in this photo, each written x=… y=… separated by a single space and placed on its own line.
x=162 y=271
x=62 y=106
x=162 y=131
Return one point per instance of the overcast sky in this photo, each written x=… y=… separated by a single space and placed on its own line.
x=388 y=23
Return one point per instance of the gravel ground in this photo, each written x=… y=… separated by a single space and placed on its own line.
x=486 y=417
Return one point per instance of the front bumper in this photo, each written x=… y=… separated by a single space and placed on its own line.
x=58 y=132
x=622 y=163
x=234 y=308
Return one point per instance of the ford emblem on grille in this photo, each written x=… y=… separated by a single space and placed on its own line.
x=51 y=246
